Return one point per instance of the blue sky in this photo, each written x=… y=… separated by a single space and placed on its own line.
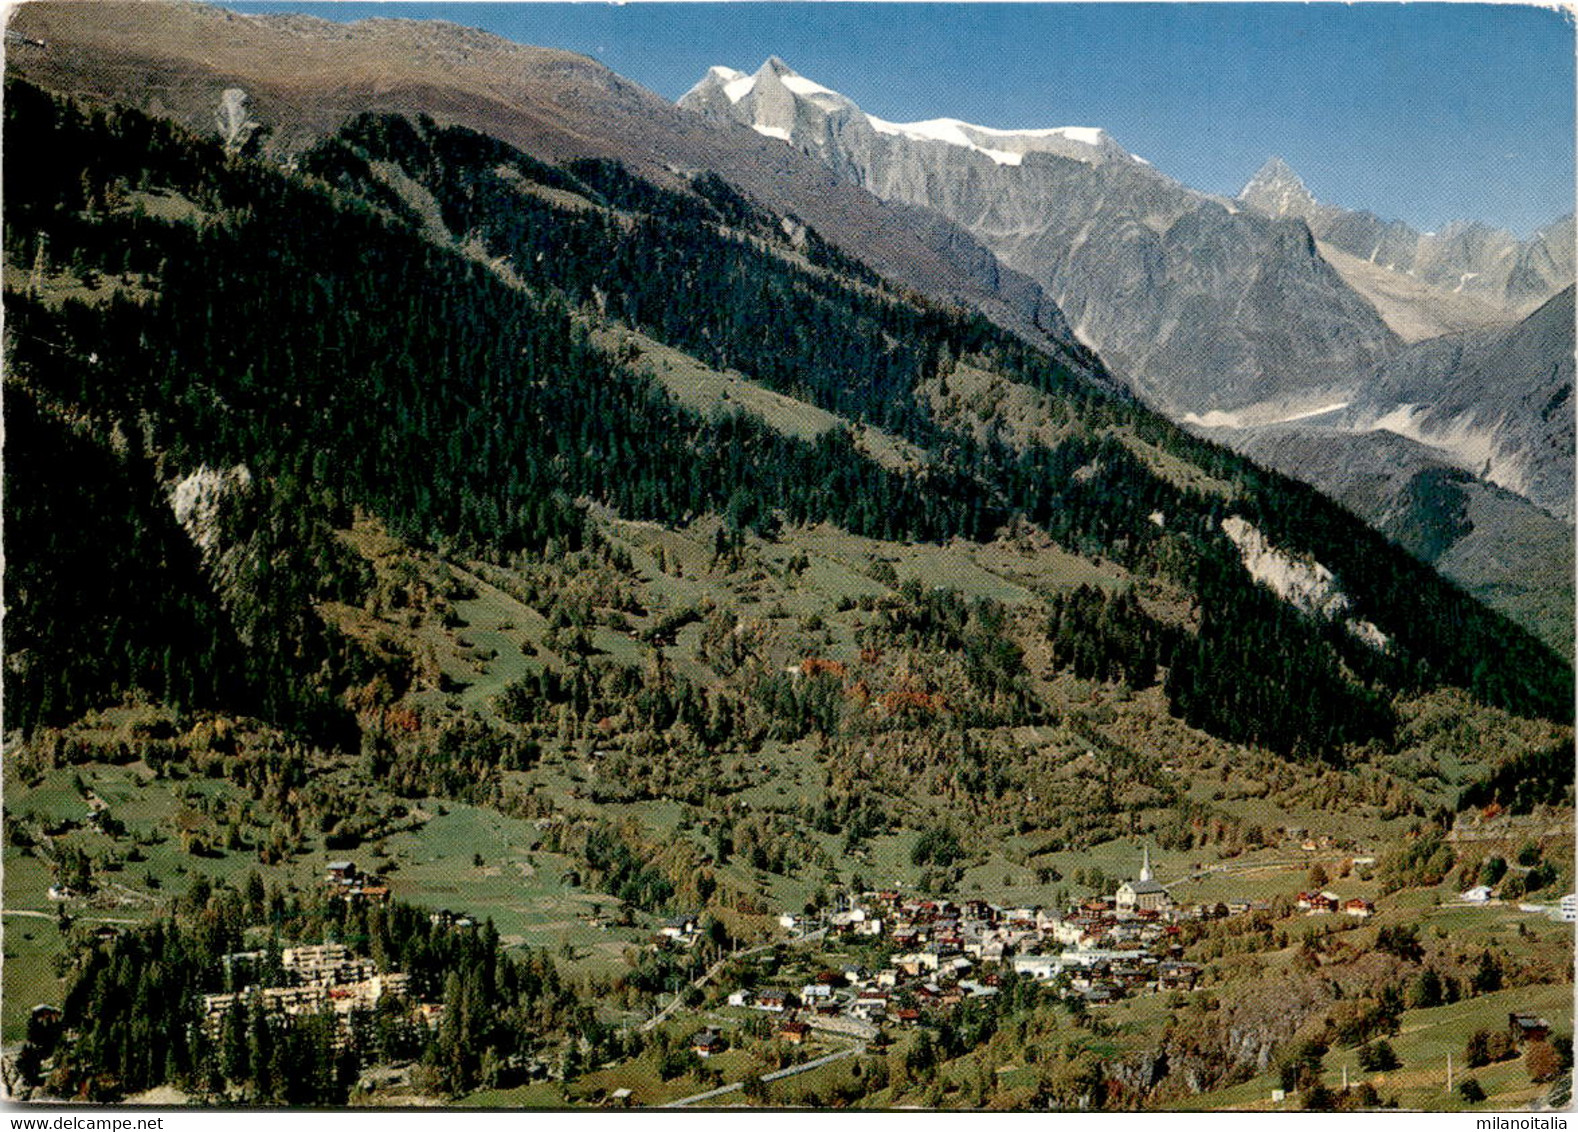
x=1421 y=112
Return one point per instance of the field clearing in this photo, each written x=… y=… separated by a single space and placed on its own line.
x=27 y=881
x=56 y=799
x=707 y=391
x=537 y=1095
x=790 y=773
x=31 y=947
x=487 y=616
x=1174 y=470
x=812 y=1085
x=135 y=872
x=521 y=888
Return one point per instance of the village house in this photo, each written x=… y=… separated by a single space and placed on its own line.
x=1081 y=931
x=870 y=1004
x=774 y=1002
x=679 y=927
x=1318 y=903
x=993 y=951
x=341 y=872
x=1527 y=1028
x=707 y=1042
x=1038 y=967
x=1176 y=976
x=848 y=922
x=326 y=964
x=794 y=1033
x=916 y=962
x=1358 y=906
x=371 y=891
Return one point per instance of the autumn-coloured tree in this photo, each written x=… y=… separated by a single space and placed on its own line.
x=1541 y=1061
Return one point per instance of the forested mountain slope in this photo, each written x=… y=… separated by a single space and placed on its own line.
x=349 y=509
x=299 y=78
x=399 y=398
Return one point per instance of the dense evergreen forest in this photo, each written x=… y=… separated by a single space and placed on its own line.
x=130 y=1000
x=305 y=325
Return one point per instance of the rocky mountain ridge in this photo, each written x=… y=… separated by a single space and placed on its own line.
x=1200 y=305
x=1494 y=402
x=1462 y=449
x=1464 y=258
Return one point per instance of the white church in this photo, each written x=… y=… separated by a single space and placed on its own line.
x=1143 y=895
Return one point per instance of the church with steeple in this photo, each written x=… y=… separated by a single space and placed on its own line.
x=1143 y=895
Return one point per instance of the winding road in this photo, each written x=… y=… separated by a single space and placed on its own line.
x=815 y=1063
x=702 y=979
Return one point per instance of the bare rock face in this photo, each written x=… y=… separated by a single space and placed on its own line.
x=1198 y=304
x=1465 y=258
x=234 y=119
x=1461 y=448
x=1498 y=403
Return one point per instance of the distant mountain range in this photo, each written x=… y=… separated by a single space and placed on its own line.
x=1351 y=352
x=1465 y=258
x=1200 y=305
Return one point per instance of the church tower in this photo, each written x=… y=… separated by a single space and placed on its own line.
x=1145 y=866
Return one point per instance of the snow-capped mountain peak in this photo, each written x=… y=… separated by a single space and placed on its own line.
x=1278 y=191
x=1009 y=147
x=810 y=109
